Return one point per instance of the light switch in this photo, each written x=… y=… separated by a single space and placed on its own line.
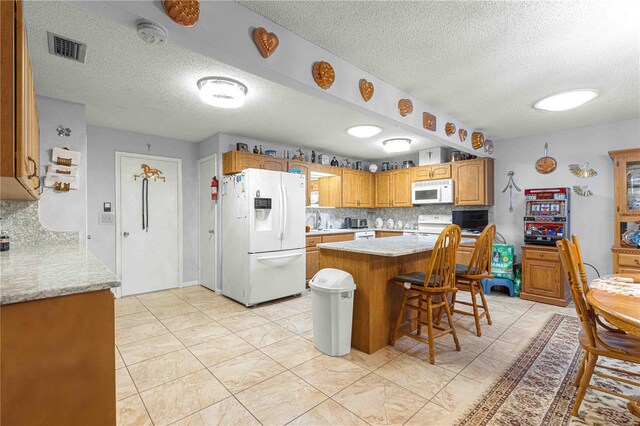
x=106 y=207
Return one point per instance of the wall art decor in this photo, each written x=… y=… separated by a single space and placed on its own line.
x=462 y=134
x=488 y=146
x=366 y=89
x=266 y=42
x=429 y=121
x=323 y=74
x=511 y=185
x=582 y=171
x=449 y=129
x=405 y=106
x=582 y=191
x=546 y=164
x=182 y=12
x=477 y=140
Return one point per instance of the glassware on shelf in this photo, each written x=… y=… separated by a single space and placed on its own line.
x=633 y=185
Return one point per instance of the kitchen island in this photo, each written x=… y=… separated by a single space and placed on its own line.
x=58 y=337
x=373 y=263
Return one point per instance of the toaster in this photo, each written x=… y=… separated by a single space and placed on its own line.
x=359 y=223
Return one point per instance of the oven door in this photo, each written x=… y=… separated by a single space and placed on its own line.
x=431 y=194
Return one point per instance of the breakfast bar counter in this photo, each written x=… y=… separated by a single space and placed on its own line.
x=373 y=263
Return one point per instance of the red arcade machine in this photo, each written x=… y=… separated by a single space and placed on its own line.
x=546 y=217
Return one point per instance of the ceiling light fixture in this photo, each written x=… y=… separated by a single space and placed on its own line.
x=566 y=100
x=396 y=145
x=222 y=92
x=364 y=131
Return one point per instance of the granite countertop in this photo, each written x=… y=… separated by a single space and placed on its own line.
x=41 y=273
x=390 y=246
x=314 y=233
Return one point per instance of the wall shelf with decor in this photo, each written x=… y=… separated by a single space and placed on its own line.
x=626 y=188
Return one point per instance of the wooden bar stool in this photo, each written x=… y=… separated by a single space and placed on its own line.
x=430 y=291
x=469 y=277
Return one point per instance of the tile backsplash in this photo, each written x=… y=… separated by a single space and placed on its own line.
x=408 y=215
x=21 y=222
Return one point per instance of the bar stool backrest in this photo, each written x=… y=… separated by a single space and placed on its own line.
x=482 y=253
x=442 y=264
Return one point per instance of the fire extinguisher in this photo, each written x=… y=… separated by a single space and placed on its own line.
x=214 y=188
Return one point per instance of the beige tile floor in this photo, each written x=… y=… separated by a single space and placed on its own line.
x=191 y=357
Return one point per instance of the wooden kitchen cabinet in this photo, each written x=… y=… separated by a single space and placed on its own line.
x=237 y=161
x=357 y=188
x=393 y=188
x=330 y=194
x=313 y=253
x=385 y=234
x=473 y=182
x=20 y=136
x=542 y=276
x=434 y=171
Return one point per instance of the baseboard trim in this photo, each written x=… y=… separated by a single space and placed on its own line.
x=188 y=283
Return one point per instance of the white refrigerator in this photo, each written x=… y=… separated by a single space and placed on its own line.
x=263 y=235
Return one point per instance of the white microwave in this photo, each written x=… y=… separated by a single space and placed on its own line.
x=432 y=192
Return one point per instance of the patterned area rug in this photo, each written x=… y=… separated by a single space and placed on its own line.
x=537 y=389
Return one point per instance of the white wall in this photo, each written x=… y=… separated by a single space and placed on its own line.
x=592 y=217
x=102 y=145
x=63 y=211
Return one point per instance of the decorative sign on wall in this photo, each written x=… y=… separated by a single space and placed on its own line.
x=477 y=140
x=323 y=74
x=462 y=134
x=366 y=89
x=429 y=121
x=63 y=171
x=182 y=12
x=449 y=129
x=266 y=42
x=405 y=106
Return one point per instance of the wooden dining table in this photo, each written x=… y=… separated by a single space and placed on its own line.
x=622 y=311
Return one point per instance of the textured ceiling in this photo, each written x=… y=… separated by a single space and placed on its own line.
x=129 y=85
x=485 y=62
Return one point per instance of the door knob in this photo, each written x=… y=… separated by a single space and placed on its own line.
x=125 y=234
x=211 y=231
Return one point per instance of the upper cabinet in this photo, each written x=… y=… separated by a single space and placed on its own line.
x=357 y=188
x=626 y=181
x=20 y=135
x=435 y=171
x=473 y=182
x=237 y=161
x=393 y=188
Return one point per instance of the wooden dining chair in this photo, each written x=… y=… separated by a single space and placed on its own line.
x=428 y=291
x=596 y=338
x=469 y=277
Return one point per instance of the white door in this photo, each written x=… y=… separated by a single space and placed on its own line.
x=208 y=215
x=149 y=258
x=293 y=188
x=265 y=225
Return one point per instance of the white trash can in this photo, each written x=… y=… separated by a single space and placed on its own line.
x=332 y=303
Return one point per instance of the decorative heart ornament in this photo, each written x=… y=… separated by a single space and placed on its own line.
x=449 y=129
x=266 y=42
x=366 y=89
x=405 y=106
x=429 y=121
x=462 y=133
x=323 y=74
x=182 y=12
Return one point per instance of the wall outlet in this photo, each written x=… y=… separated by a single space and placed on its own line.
x=107 y=218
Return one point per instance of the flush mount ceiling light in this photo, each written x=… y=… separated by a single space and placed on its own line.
x=566 y=100
x=222 y=92
x=396 y=145
x=364 y=131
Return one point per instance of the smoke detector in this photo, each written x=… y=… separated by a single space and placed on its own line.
x=150 y=32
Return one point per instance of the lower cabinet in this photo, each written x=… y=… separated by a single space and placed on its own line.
x=383 y=234
x=313 y=253
x=542 y=276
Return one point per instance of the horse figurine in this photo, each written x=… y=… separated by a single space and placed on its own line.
x=150 y=173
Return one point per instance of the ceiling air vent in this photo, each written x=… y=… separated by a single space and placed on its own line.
x=66 y=48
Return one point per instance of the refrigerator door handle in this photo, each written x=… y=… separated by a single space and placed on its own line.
x=284 y=210
x=284 y=256
x=281 y=224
